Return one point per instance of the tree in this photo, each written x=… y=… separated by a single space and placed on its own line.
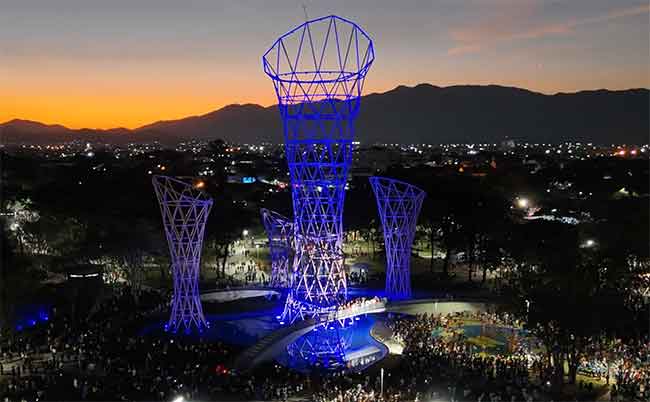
x=122 y=245
x=566 y=294
x=22 y=213
x=439 y=215
x=217 y=152
x=6 y=257
x=19 y=279
x=226 y=223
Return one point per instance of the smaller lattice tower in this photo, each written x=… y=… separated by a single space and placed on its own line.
x=184 y=208
x=280 y=232
x=399 y=205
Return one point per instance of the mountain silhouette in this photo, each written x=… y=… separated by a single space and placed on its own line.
x=420 y=114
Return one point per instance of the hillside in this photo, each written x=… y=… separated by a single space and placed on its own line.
x=420 y=114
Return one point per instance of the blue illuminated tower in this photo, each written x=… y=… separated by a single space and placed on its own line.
x=399 y=205
x=184 y=208
x=323 y=347
x=318 y=70
x=280 y=232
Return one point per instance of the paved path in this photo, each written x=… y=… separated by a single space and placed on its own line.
x=269 y=346
x=236 y=293
x=274 y=343
x=383 y=334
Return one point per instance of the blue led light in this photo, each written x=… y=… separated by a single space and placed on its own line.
x=31 y=315
x=318 y=70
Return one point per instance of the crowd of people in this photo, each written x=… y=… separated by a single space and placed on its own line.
x=243 y=272
x=467 y=375
x=106 y=356
x=248 y=272
x=361 y=303
x=102 y=357
x=627 y=362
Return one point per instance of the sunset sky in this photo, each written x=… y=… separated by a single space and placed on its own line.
x=126 y=63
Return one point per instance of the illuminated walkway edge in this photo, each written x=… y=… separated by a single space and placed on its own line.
x=275 y=343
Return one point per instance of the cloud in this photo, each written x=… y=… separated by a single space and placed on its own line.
x=508 y=28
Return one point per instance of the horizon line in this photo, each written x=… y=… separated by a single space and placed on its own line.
x=119 y=127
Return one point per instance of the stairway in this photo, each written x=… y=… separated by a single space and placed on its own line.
x=272 y=344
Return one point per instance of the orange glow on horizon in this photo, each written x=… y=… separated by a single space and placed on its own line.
x=97 y=112
x=112 y=64
x=136 y=106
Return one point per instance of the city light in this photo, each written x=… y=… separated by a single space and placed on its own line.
x=522 y=202
x=461 y=261
x=589 y=243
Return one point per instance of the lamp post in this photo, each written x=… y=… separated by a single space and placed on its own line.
x=646 y=300
x=381 y=381
x=522 y=203
x=589 y=243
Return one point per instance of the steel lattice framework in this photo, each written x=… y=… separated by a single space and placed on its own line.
x=318 y=70
x=399 y=205
x=323 y=347
x=184 y=210
x=280 y=232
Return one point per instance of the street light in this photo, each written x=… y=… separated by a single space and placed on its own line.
x=244 y=232
x=589 y=243
x=522 y=202
x=646 y=300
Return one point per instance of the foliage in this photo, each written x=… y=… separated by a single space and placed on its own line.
x=568 y=295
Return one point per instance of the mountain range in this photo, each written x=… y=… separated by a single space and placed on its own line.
x=421 y=114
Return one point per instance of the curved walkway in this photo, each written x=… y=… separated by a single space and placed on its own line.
x=226 y=295
x=274 y=343
x=438 y=306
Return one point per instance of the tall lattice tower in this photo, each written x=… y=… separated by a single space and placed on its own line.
x=184 y=208
x=399 y=205
x=280 y=232
x=318 y=70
